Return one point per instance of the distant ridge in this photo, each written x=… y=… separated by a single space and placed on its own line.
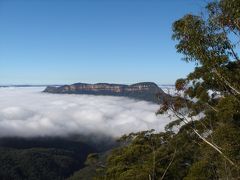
x=26 y=85
x=147 y=91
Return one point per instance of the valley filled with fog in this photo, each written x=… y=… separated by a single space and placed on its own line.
x=27 y=112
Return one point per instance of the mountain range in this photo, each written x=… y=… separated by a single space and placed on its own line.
x=147 y=91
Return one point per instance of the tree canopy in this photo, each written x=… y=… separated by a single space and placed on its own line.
x=207 y=143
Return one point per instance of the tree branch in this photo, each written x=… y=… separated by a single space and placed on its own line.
x=169 y=165
x=186 y=121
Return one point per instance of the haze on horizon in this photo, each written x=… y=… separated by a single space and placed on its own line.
x=63 y=42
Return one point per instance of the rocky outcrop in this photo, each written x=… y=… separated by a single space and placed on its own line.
x=147 y=91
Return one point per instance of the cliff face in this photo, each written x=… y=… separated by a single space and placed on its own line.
x=144 y=91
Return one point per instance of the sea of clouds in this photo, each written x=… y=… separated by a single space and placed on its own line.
x=27 y=112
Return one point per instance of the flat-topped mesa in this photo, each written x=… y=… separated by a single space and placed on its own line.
x=147 y=91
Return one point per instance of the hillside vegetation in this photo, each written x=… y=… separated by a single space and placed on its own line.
x=207 y=148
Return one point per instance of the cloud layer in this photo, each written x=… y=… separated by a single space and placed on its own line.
x=26 y=112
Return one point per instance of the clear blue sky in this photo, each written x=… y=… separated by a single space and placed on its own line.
x=67 y=41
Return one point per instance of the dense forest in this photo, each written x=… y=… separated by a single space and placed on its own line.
x=47 y=158
x=204 y=142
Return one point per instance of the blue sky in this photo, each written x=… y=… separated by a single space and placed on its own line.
x=68 y=41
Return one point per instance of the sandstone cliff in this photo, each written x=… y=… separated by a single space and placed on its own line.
x=147 y=91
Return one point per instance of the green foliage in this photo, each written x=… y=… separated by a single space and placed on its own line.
x=36 y=164
x=180 y=84
x=207 y=148
x=41 y=158
x=149 y=154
